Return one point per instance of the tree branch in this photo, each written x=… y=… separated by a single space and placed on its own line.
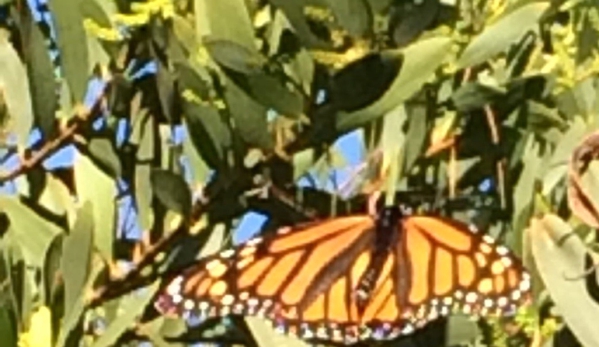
x=53 y=145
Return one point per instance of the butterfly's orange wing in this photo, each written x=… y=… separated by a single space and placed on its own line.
x=334 y=315
x=452 y=266
x=304 y=281
x=272 y=278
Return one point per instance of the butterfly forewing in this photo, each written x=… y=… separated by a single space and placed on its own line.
x=263 y=276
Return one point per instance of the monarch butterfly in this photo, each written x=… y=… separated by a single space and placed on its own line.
x=354 y=278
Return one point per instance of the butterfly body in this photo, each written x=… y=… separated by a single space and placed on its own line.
x=354 y=278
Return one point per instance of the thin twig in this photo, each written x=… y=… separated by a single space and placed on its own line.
x=53 y=145
x=500 y=163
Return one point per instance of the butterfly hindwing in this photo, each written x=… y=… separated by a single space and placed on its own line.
x=263 y=277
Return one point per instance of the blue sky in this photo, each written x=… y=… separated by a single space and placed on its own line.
x=349 y=145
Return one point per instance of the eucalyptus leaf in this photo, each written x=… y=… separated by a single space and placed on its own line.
x=354 y=15
x=8 y=328
x=245 y=110
x=102 y=196
x=51 y=269
x=133 y=307
x=559 y=258
x=68 y=20
x=208 y=132
x=40 y=70
x=76 y=256
x=420 y=60
x=172 y=190
x=226 y=31
x=294 y=11
x=14 y=90
x=500 y=35
x=143 y=195
x=234 y=56
x=165 y=84
x=103 y=154
x=271 y=91
x=33 y=233
x=265 y=335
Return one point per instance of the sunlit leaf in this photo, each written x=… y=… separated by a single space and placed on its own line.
x=172 y=191
x=133 y=307
x=499 y=36
x=14 y=90
x=40 y=70
x=420 y=61
x=76 y=256
x=74 y=57
x=560 y=257
x=101 y=194
x=29 y=229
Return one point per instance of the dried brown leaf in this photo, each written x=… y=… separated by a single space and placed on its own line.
x=580 y=201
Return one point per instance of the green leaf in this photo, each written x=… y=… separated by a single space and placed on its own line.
x=143 y=135
x=76 y=256
x=30 y=231
x=499 y=36
x=193 y=79
x=19 y=280
x=172 y=191
x=101 y=190
x=265 y=335
x=227 y=32
x=391 y=141
x=302 y=162
x=133 y=307
x=100 y=12
x=185 y=33
x=250 y=115
x=354 y=15
x=102 y=154
x=474 y=96
x=461 y=330
x=42 y=82
x=8 y=328
x=524 y=189
x=155 y=333
x=234 y=56
x=416 y=134
x=283 y=43
x=271 y=92
x=143 y=195
x=420 y=61
x=14 y=89
x=165 y=84
x=208 y=132
x=200 y=170
x=294 y=11
x=560 y=256
x=557 y=167
x=68 y=23
x=56 y=196
x=51 y=269
x=408 y=20
x=71 y=331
